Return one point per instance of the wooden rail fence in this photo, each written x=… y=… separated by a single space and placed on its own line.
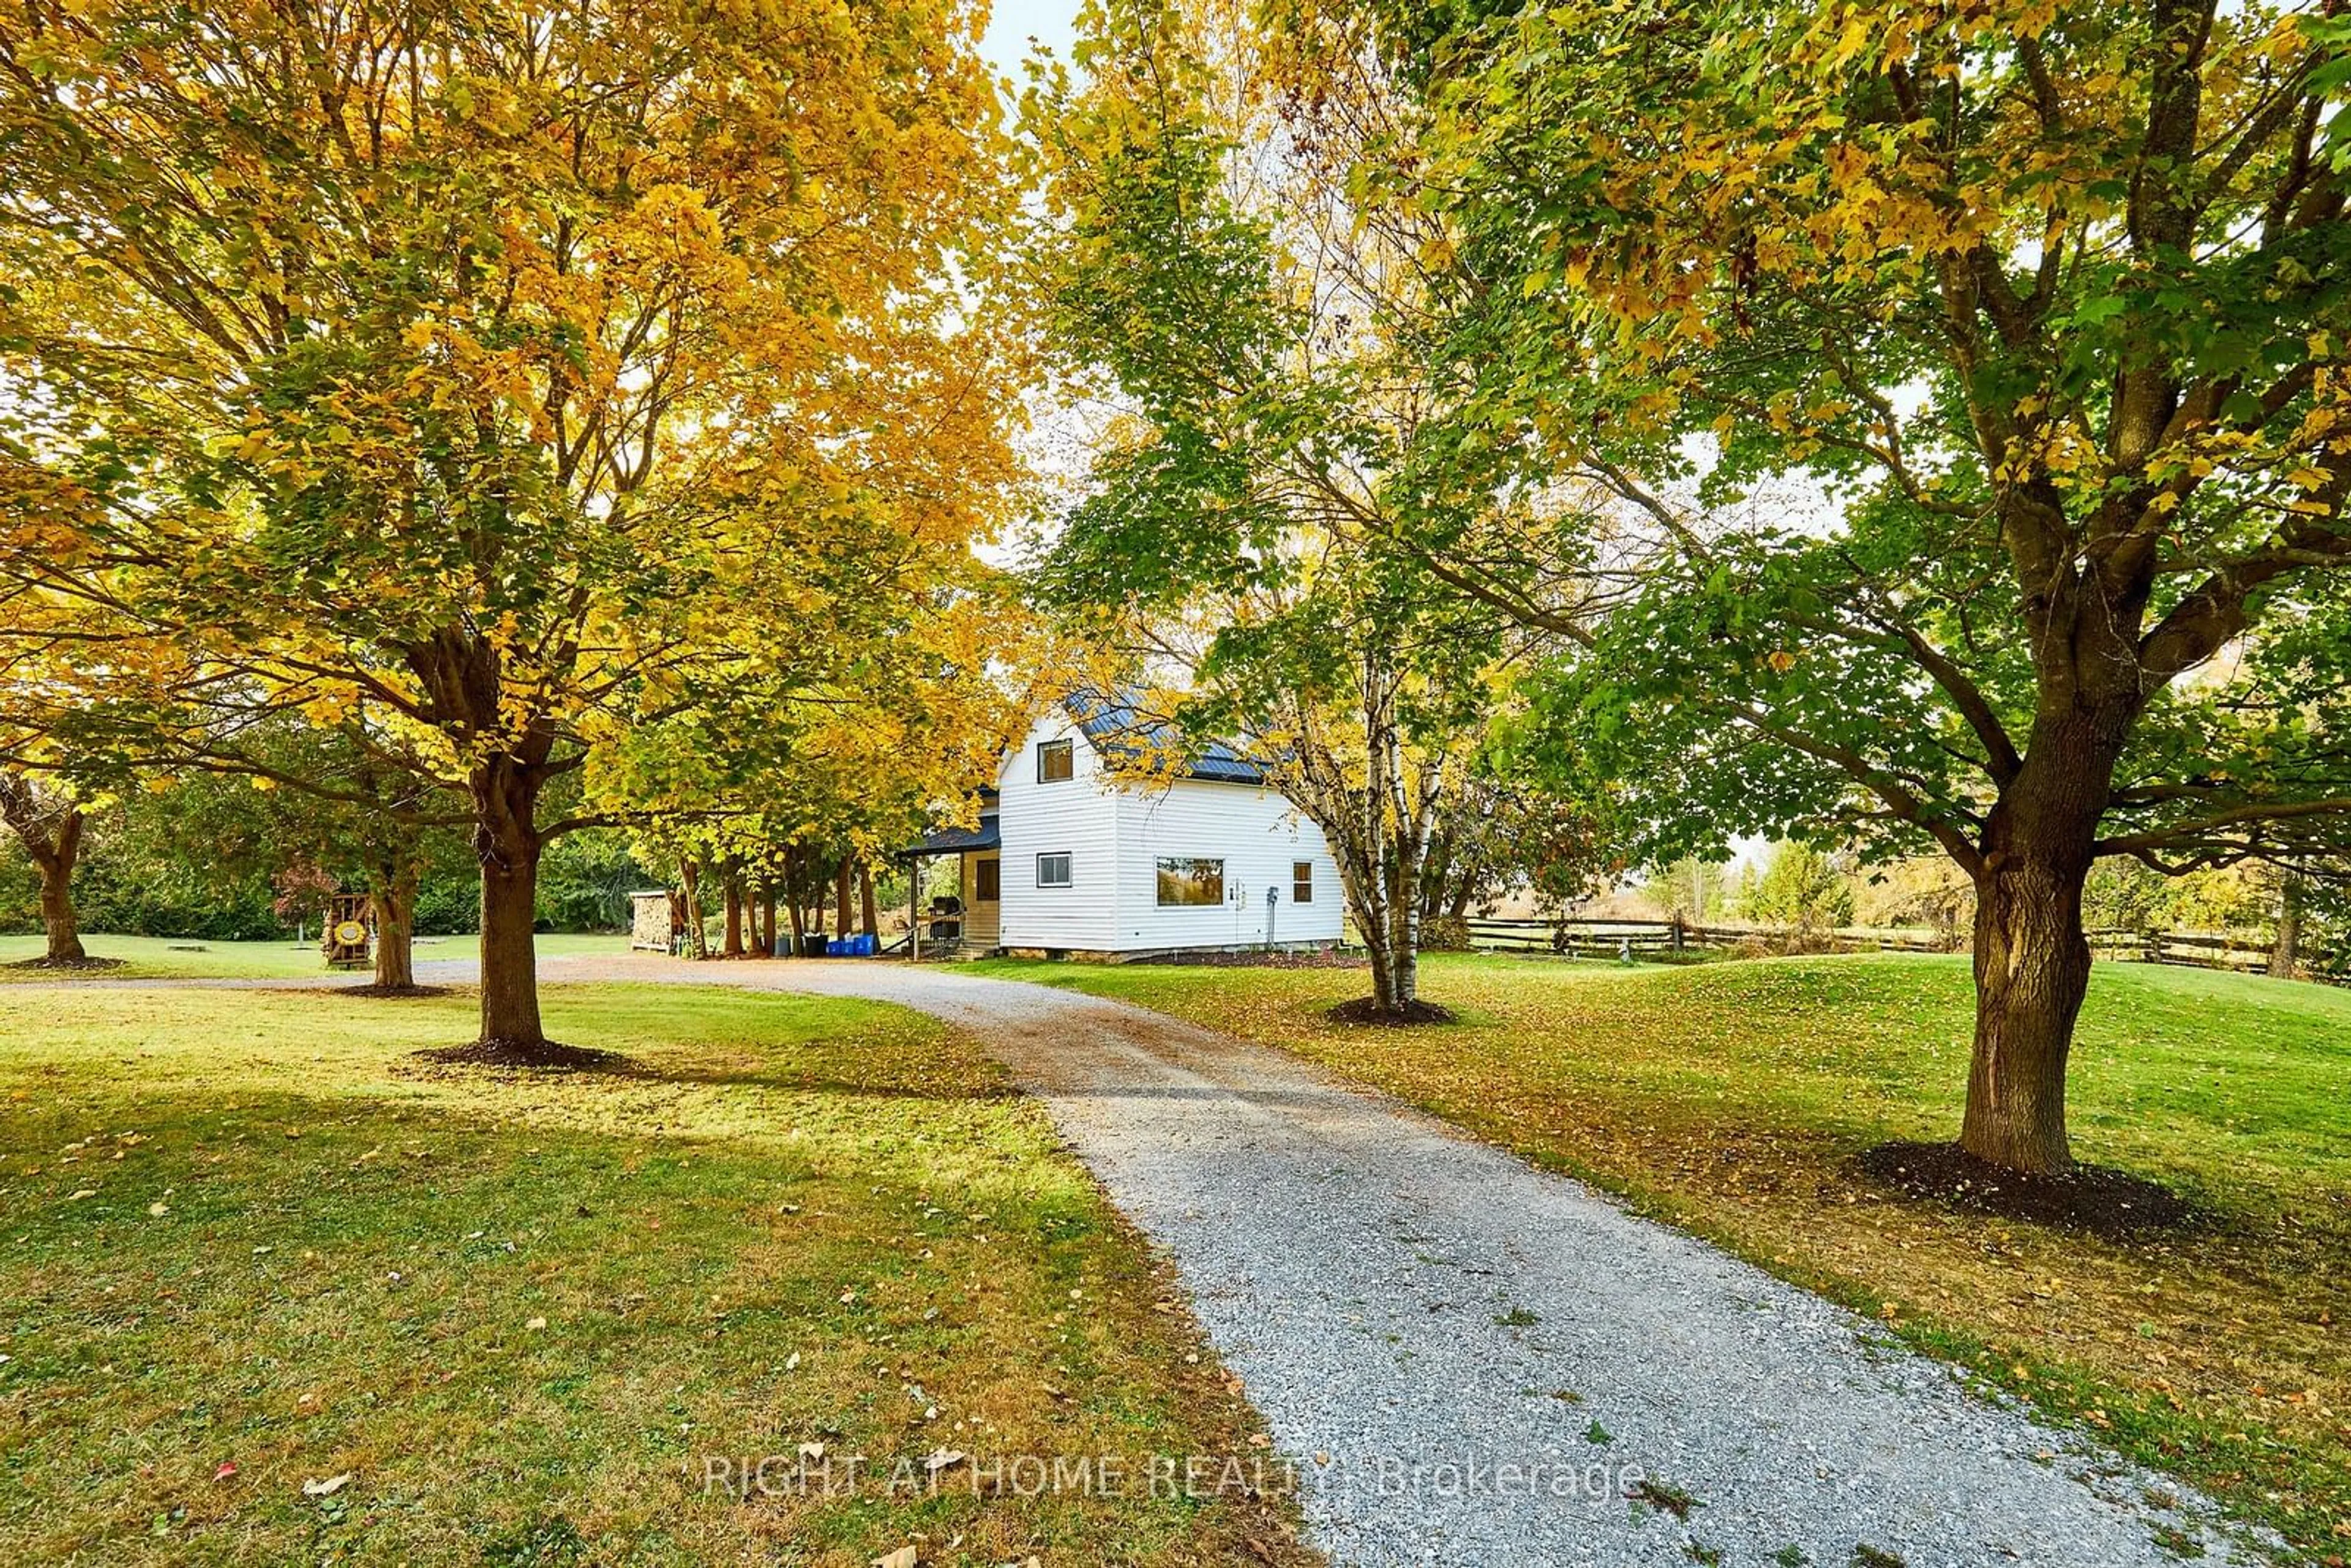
x=1576 y=937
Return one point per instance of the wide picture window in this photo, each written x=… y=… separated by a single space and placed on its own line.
x=1189 y=882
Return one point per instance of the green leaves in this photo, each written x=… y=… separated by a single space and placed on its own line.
x=1945 y=382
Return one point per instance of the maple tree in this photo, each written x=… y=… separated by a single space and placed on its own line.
x=478 y=361
x=1977 y=373
x=278 y=791
x=53 y=772
x=793 y=785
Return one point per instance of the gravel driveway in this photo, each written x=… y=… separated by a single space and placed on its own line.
x=1427 y=1312
x=1474 y=1361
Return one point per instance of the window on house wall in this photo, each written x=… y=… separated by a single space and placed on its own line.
x=1301 y=882
x=1190 y=881
x=1056 y=761
x=1053 y=870
x=986 y=882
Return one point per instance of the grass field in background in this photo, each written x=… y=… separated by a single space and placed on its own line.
x=176 y=957
x=250 y=1244
x=1731 y=1098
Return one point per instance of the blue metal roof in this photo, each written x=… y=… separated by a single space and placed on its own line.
x=1119 y=729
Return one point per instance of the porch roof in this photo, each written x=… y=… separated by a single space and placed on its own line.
x=955 y=841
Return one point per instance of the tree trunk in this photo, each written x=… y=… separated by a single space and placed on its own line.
x=768 y=920
x=866 y=896
x=1403 y=952
x=507 y=842
x=1382 y=962
x=463 y=676
x=1404 y=983
x=689 y=879
x=841 y=899
x=792 y=899
x=1362 y=882
x=1432 y=883
x=1403 y=913
x=2031 y=961
x=733 y=948
x=2285 y=950
x=59 y=917
x=50 y=829
x=393 y=893
x=1407 y=863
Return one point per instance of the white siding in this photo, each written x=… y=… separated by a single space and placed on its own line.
x=1259 y=837
x=1114 y=833
x=1077 y=816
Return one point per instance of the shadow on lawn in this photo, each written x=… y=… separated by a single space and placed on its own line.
x=451 y=1064
x=796 y=1082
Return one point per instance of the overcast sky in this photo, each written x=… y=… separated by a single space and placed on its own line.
x=1012 y=23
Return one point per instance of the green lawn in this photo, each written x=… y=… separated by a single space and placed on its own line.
x=249 y=1244
x=173 y=957
x=1731 y=1097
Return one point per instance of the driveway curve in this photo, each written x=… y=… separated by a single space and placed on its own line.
x=1474 y=1361
x=1477 y=1363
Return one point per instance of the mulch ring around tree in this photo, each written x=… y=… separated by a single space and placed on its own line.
x=68 y=965
x=539 y=1056
x=2093 y=1199
x=1367 y=1009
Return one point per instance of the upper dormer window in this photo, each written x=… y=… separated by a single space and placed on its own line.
x=1055 y=761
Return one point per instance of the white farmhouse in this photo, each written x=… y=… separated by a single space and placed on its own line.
x=1072 y=857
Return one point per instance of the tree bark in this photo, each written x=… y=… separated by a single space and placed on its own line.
x=51 y=832
x=1382 y=962
x=792 y=899
x=689 y=878
x=2031 y=960
x=872 y=915
x=2286 y=949
x=462 y=674
x=733 y=948
x=507 y=842
x=841 y=899
x=393 y=893
x=767 y=919
x=2033 y=968
x=60 y=920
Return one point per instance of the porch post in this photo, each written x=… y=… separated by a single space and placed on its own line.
x=914 y=909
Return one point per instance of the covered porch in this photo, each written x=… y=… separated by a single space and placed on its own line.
x=970 y=919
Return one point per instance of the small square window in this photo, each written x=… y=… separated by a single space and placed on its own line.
x=1053 y=870
x=1055 y=761
x=1301 y=882
x=986 y=882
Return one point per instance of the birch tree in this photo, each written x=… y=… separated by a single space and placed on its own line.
x=1261 y=342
